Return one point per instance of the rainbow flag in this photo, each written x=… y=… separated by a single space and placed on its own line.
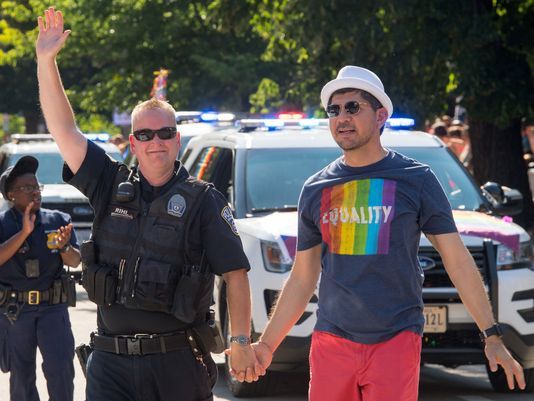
x=356 y=216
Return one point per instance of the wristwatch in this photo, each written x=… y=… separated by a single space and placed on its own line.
x=241 y=340
x=494 y=330
x=65 y=248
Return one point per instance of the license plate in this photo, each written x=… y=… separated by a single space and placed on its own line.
x=435 y=319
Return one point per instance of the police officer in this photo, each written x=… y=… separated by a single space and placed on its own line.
x=35 y=243
x=158 y=238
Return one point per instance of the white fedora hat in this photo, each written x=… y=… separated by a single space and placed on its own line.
x=351 y=76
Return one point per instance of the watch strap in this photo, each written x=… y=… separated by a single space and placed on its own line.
x=241 y=340
x=494 y=330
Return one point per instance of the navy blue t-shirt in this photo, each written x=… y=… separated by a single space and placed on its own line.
x=41 y=247
x=212 y=230
x=369 y=221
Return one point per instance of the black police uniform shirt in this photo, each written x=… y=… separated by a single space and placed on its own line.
x=41 y=246
x=210 y=231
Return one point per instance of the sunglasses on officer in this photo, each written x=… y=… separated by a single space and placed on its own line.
x=147 y=134
x=351 y=107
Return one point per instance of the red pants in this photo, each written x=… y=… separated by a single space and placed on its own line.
x=343 y=370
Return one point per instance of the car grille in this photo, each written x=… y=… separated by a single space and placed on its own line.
x=437 y=276
x=78 y=211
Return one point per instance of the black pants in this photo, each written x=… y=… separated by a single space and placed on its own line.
x=176 y=375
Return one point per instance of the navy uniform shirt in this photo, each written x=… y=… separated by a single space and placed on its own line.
x=212 y=230
x=41 y=247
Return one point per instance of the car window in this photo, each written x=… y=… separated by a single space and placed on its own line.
x=457 y=184
x=204 y=165
x=50 y=165
x=274 y=177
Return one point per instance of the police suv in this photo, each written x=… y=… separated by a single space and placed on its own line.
x=261 y=165
x=56 y=193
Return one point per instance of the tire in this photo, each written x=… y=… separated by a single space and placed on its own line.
x=266 y=385
x=499 y=383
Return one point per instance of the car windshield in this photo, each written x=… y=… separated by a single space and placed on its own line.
x=51 y=165
x=274 y=177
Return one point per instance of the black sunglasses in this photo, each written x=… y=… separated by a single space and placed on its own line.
x=147 y=134
x=352 y=107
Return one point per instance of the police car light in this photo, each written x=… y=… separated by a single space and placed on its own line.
x=291 y=116
x=226 y=117
x=309 y=122
x=400 y=123
x=184 y=117
x=212 y=116
x=98 y=136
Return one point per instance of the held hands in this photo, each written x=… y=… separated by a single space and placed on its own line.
x=244 y=364
x=63 y=235
x=51 y=35
x=28 y=220
x=258 y=355
x=497 y=354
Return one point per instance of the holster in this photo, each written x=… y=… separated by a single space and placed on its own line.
x=208 y=338
x=100 y=282
x=82 y=352
x=68 y=294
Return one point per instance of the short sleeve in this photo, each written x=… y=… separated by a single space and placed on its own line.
x=435 y=214
x=309 y=234
x=95 y=177
x=219 y=235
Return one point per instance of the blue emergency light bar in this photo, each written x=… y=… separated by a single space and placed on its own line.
x=400 y=123
x=212 y=116
x=98 y=136
x=272 y=124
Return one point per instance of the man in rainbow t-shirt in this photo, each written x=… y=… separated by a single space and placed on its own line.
x=360 y=221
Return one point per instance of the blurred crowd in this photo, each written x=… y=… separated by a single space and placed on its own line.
x=455 y=134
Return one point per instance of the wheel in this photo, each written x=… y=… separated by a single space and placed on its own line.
x=266 y=385
x=499 y=383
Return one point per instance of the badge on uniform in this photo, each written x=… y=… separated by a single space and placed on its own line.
x=176 y=206
x=227 y=216
x=51 y=240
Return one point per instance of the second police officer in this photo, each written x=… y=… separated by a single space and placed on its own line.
x=35 y=243
x=159 y=237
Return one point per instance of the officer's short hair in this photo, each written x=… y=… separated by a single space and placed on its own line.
x=152 y=104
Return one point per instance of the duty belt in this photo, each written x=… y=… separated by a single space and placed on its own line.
x=31 y=297
x=140 y=344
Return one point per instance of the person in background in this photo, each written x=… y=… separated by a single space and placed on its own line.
x=35 y=244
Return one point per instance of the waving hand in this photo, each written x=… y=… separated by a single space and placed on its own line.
x=51 y=35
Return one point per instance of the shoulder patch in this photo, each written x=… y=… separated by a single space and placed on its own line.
x=176 y=205
x=227 y=216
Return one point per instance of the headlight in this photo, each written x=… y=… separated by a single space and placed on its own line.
x=274 y=259
x=509 y=259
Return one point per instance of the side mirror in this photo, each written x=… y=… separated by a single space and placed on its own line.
x=503 y=200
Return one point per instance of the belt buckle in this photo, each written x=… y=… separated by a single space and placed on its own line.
x=34 y=297
x=133 y=344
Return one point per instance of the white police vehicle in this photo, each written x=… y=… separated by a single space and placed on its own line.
x=261 y=166
x=194 y=123
x=56 y=194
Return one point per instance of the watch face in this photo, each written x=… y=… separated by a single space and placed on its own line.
x=242 y=340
